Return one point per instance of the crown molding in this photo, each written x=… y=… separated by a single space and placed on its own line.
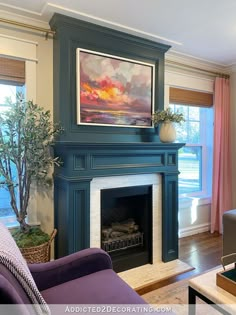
x=46 y=12
x=53 y=8
x=42 y=16
x=178 y=57
x=232 y=68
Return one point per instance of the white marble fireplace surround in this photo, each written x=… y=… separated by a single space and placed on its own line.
x=99 y=183
x=147 y=274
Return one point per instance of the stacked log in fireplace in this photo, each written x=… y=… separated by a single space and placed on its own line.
x=121 y=235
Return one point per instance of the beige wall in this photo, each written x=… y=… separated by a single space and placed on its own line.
x=45 y=207
x=44 y=97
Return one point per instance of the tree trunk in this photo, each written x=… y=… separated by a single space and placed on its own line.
x=24 y=227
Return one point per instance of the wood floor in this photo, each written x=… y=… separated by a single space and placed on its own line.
x=201 y=251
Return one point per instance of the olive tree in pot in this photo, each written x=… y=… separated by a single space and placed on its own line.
x=26 y=138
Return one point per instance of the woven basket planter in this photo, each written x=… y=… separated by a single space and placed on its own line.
x=40 y=253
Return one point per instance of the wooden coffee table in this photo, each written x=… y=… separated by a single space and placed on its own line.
x=204 y=287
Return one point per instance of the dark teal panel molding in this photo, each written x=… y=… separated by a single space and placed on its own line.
x=97 y=159
x=80 y=200
x=107 y=161
x=79 y=162
x=72 y=216
x=172 y=159
x=169 y=217
x=72 y=34
x=61 y=217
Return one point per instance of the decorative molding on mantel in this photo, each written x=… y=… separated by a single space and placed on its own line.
x=84 y=161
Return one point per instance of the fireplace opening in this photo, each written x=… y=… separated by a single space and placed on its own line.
x=126 y=226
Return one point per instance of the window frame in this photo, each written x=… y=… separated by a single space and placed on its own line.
x=22 y=49
x=203 y=144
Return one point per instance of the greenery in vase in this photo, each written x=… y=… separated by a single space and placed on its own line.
x=26 y=138
x=167 y=115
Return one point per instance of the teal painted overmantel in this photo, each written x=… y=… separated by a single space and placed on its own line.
x=90 y=151
x=72 y=34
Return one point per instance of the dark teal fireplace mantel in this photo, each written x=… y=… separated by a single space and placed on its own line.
x=83 y=162
x=95 y=151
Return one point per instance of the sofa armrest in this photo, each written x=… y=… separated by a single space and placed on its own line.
x=82 y=263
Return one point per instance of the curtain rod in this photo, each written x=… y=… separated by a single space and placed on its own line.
x=48 y=31
x=182 y=65
x=36 y=28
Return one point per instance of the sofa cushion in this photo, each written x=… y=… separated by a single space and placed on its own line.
x=11 y=299
x=7 y=281
x=102 y=287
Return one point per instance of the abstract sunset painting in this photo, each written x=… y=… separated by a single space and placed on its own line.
x=113 y=91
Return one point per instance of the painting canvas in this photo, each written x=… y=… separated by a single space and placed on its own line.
x=113 y=91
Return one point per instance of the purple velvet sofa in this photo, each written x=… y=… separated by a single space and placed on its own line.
x=85 y=277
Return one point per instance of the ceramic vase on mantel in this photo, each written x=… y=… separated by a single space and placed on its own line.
x=167 y=132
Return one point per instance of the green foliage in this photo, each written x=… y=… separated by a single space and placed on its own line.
x=26 y=138
x=34 y=237
x=167 y=115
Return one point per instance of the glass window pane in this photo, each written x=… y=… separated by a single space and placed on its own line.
x=182 y=132
x=6 y=211
x=181 y=109
x=197 y=134
x=194 y=113
x=190 y=165
x=188 y=131
x=7 y=91
x=194 y=132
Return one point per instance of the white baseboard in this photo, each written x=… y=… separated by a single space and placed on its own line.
x=196 y=229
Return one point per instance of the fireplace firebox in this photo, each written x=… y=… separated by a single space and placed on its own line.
x=126 y=221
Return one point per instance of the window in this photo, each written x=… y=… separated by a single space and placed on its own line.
x=195 y=158
x=11 y=83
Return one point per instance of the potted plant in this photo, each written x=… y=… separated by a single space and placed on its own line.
x=26 y=137
x=166 y=118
